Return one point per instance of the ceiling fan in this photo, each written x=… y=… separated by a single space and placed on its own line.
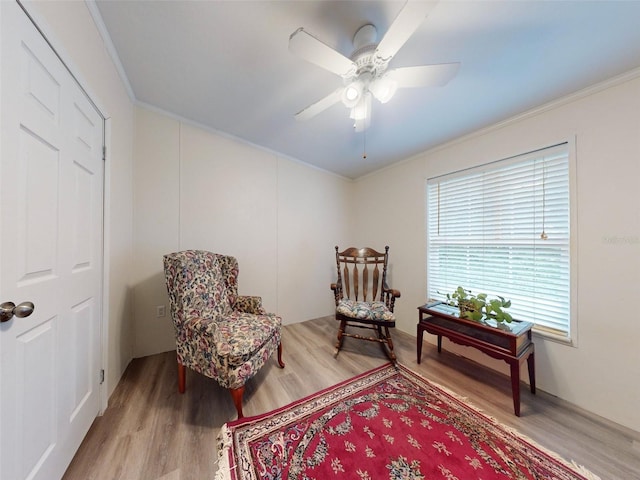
x=365 y=73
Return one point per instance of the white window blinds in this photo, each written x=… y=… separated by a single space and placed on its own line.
x=503 y=229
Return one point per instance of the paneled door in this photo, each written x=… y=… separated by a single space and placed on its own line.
x=51 y=213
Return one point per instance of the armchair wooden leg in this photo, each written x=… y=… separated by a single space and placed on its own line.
x=181 y=377
x=236 y=394
x=280 y=362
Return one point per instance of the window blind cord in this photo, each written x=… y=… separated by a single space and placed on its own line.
x=438 y=208
x=543 y=235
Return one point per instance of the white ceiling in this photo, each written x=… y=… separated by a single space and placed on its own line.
x=225 y=65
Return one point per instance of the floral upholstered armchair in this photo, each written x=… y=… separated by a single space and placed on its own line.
x=219 y=333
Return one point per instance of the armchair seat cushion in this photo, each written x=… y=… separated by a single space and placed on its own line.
x=240 y=336
x=364 y=310
x=234 y=339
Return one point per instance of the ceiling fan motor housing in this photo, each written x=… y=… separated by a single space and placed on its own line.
x=364 y=54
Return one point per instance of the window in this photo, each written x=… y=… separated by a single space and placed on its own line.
x=503 y=229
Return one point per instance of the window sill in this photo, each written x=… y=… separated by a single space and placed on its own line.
x=553 y=336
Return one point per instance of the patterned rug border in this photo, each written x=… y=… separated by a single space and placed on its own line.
x=227 y=464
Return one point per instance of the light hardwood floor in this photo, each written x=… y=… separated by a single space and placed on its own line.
x=151 y=432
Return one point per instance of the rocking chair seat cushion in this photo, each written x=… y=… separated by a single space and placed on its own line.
x=364 y=310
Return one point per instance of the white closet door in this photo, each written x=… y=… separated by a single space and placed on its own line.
x=51 y=214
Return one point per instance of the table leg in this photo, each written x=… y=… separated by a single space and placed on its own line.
x=439 y=343
x=515 y=385
x=531 y=364
x=419 y=345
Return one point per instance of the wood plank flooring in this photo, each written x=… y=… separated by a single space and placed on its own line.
x=151 y=432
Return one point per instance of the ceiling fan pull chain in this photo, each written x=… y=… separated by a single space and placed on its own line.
x=364 y=145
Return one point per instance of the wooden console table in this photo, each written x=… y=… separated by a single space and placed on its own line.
x=512 y=344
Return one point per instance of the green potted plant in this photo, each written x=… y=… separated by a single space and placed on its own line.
x=480 y=307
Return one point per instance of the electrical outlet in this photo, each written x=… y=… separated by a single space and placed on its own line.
x=161 y=311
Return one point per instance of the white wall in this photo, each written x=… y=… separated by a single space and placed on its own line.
x=156 y=226
x=313 y=217
x=600 y=374
x=71 y=30
x=198 y=189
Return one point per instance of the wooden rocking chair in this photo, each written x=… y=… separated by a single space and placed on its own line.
x=363 y=298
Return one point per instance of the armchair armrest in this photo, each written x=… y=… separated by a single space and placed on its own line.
x=249 y=304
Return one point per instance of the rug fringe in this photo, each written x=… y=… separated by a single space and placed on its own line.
x=225 y=441
x=589 y=475
x=580 y=469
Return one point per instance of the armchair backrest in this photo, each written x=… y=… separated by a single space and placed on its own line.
x=362 y=274
x=200 y=284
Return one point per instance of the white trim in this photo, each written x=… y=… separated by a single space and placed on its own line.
x=559 y=102
x=511 y=159
x=106 y=271
x=110 y=47
x=230 y=136
x=573 y=240
x=572 y=339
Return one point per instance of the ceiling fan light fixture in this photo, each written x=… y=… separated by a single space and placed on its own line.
x=383 y=88
x=362 y=109
x=352 y=94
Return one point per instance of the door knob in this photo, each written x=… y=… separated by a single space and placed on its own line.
x=9 y=309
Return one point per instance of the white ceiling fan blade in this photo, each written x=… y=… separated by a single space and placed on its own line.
x=321 y=105
x=424 y=75
x=405 y=24
x=311 y=49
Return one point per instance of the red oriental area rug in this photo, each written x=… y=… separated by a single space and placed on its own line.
x=389 y=423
